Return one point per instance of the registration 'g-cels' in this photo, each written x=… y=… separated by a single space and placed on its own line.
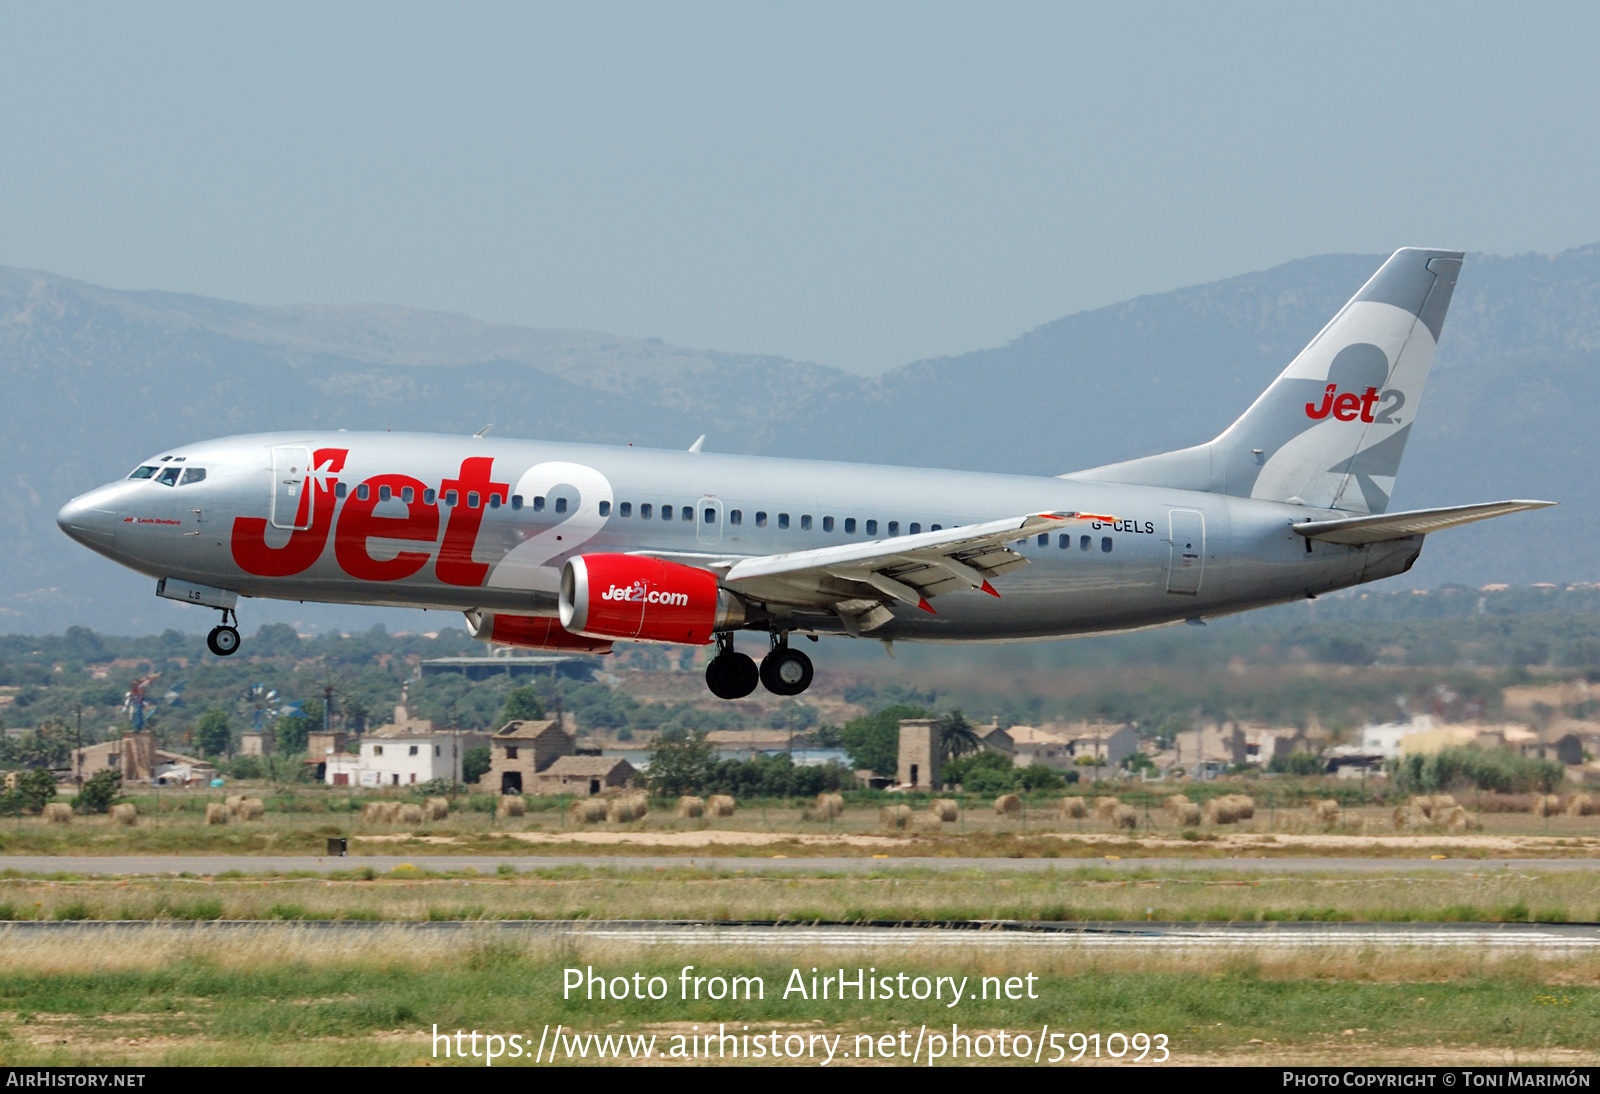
x=574 y=547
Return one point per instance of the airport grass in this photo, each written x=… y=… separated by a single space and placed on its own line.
x=175 y=997
x=903 y=895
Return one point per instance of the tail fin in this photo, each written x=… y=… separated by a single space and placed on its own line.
x=1330 y=431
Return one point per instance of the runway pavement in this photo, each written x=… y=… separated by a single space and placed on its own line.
x=1545 y=939
x=210 y=865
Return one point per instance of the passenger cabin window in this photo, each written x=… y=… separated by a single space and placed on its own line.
x=827 y=524
x=805 y=522
x=429 y=496
x=644 y=511
x=783 y=520
x=169 y=476
x=1083 y=543
x=735 y=516
x=872 y=527
x=935 y=527
x=538 y=504
x=143 y=472
x=1105 y=544
x=605 y=509
x=894 y=528
x=472 y=499
x=1044 y=539
x=1064 y=540
x=850 y=525
x=408 y=494
x=666 y=512
x=494 y=501
x=450 y=498
x=625 y=509
x=688 y=513
x=516 y=500
x=340 y=490
x=761 y=518
x=561 y=505
x=915 y=528
x=384 y=494
x=363 y=492
x=710 y=516
x=194 y=474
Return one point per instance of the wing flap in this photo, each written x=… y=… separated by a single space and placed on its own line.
x=1417 y=522
x=860 y=581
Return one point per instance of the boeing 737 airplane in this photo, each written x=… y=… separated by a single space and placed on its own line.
x=574 y=546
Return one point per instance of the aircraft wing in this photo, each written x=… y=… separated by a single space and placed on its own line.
x=1385 y=526
x=858 y=581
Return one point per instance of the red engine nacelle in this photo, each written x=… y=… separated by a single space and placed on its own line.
x=530 y=632
x=645 y=599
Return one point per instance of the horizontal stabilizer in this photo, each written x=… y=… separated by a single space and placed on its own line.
x=1417 y=522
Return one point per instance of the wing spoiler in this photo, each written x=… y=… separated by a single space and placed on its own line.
x=1417 y=522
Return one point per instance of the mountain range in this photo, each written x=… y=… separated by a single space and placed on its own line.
x=94 y=379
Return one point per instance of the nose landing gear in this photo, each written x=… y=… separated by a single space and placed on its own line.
x=731 y=675
x=224 y=639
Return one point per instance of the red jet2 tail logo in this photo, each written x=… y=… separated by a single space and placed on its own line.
x=1348 y=406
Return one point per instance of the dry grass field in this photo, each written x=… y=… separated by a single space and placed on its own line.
x=301 y=824
x=1067 y=894
x=172 y=996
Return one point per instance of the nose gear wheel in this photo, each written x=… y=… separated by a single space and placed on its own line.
x=223 y=641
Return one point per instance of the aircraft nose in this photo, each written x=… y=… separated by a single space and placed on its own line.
x=91 y=519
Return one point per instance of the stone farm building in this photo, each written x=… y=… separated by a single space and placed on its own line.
x=541 y=757
x=136 y=756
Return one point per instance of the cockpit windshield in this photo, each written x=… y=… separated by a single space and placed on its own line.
x=169 y=476
x=194 y=474
x=143 y=472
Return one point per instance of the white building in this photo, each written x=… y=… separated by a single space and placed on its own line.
x=406 y=753
x=1383 y=739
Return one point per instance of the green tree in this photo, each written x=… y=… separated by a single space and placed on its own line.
x=474 y=764
x=292 y=730
x=521 y=705
x=985 y=772
x=681 y=762
x=48 y=746
x=1296 y=763
x=956 y=736
x=212 y=733
x=36 y=788
x=873 y=740
x=99 y=791
x=1037 y=776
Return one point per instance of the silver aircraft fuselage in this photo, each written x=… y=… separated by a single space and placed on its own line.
x=485 y=524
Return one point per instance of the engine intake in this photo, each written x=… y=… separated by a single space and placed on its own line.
x=530 y=632
x=644 y=599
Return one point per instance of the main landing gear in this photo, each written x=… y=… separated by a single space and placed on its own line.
x=785 y=671
x=733 y=675
x=224 y=639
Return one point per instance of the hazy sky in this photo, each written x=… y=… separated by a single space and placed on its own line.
x=856 y=184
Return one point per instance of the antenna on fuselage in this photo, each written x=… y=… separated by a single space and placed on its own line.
x=484 y=432
x=698 y=442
